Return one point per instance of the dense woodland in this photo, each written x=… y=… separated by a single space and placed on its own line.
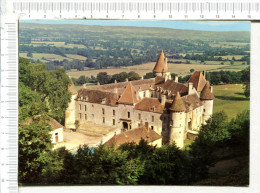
x=105 y=47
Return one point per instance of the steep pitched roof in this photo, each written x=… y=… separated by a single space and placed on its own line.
x=174 y=87
x=150 y=104
x=206 y=94
x=198 y=80
x=98 y=96
x=52 y=122
x=134 y=135
x=161 y=65
x=72 y=89
x=191 y=102
x=120 y=86
x=129 y=95
x=177 y=104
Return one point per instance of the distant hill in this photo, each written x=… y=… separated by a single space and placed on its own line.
x=80 y=46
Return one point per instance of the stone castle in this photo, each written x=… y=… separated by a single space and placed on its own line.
x=172 y=109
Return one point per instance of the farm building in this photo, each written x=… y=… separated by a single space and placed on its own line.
x=169 y=108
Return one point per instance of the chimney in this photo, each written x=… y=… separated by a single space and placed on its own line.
x=126 y=79
x=163 y=99
x=204 y=73
x=146 y=124
x=115 y=81
x=98 y=83
x=176 y=78
x=211 y=89
x=165 y=61
x=190 y=87
x=84 y=86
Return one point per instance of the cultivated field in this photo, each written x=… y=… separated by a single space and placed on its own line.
x=230 y=98
x=180 y=69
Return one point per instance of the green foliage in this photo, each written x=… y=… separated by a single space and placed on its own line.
x=34 y=148
x=39 y=87
x=108 y=166
x=211 y=137
x=246 y=80
x=149 y=75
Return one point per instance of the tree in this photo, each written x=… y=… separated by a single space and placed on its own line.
x=103 y=78
x=34 y=145
x=192 y=70
x=211 y=136
x=149 y=75
x=246 y=80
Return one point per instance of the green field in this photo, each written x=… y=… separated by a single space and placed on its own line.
x=230 y=98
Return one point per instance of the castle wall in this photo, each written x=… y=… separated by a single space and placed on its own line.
x=97 y=113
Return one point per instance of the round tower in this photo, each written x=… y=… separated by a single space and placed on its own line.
x=207 y=97
x=177 y=121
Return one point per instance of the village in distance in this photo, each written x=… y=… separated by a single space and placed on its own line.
x=128 y=105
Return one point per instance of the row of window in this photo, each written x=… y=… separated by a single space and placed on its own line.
x=104 y=120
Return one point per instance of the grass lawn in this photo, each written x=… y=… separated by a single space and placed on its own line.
x=231 y=99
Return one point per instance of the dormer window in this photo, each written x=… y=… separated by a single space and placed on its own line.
x=153 y=108
x=85 y=98
x=79 y=98
x=103 y=101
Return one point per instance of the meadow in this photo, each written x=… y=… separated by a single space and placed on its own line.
x=230 y=98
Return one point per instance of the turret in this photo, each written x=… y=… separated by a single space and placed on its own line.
x=70 y=114
x=161 y=67
x=207 y=98
x=177 y=121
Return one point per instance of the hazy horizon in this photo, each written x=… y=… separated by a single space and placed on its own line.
x=184 y=25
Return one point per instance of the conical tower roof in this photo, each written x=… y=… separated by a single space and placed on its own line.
x=161 y=65
x=129 y=95
x=177 y=104
x=206 y=94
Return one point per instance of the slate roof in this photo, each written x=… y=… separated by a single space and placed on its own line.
x=206 y=94
x=97 y=96
x=161 y=65
x=198 y=80
x=134 y=135
x=129 y=95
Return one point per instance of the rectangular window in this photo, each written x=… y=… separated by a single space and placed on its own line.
x=103 y=119
x=152 y=127
x=128 y=114
x=85 y=107
x=139 y=116
x=80 y=115
x=114 y=121
x=152 y=118
x=79 y=107
x=85 y=116
x=114 y=112
x=92 y=115
x=171 y=122
x=139 y=124
x=103 y=111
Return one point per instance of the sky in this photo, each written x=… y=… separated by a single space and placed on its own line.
x=188 y=25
